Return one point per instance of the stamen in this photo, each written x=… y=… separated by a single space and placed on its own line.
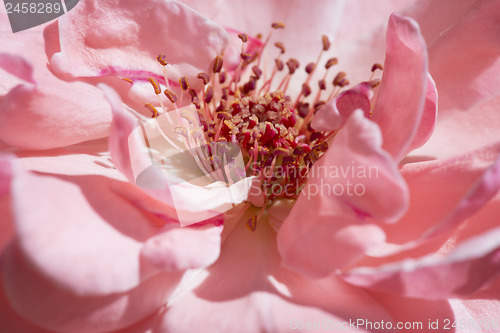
x=326 y=43
x=172 y=97
x=204 y=77
x=155 y=85
x=280 y=46
x=217 y=64
x=184 y=83
x=153 y=110
x=162 y=59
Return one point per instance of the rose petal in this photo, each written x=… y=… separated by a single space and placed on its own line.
x=186 y=247
x=400 y=101
x=259 y=295
x=429 y=116
x=29 y=292
x=334 y=113
x=356 y=159
x=471 y=265
x=467 y=78
x=97 y=39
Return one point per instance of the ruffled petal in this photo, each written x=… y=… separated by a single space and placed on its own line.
x=97 y=39
x=354 y=179
x=357 y=159
x=187 y=248
x=470 y=266
x=429 y=116
x=29 y=292
x=401 y=98
x=334 y=113
x=247 y=288
x=467 y=78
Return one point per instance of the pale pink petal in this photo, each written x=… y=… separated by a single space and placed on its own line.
x=470 y=266
x=429 y=116
x=477 y=315
x=248 y=289
x=39 y=300
x=369 y=177
x=97 y=39
x=400 y=101
x=17 y=66
x=334 y=113
x=189 y=247
x=69 y=231
x=301 y=37
x=325 y=230
x=52 y=113
x=317 y=244
x=463 y=132
x=469 y=77
x=437 y=189
x=435 y=17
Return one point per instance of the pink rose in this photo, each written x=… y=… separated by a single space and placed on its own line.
x=390 y=218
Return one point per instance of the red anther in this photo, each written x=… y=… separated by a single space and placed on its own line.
x=331 y=62
x=217 y=64
x=278 y=25
x=326 y=43
x=280 y=46
x=222 y=106
x=184 y=83
x=257 y=71
x=279 y=64
x=246 y=56
x=172 y=97
x=298 y=151
x=162 y=59
x=303 y=109
x=252 y=223
x=204 y=77
x=318 y=105
x=209 y=94
x=377 y=66
x=224 y=115
x=196 y=102
x=306 y=89
x=225 y=93
x=243 y=37
x=310 y=67
x=222 y=77
x=292 y=64
x=339 y=77
x=156 y=85
x=315 y=136
x=193 y=93
x=344 y=82
x=322 y=84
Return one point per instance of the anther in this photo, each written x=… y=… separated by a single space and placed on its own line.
x=222 y=77
x=243 y=37
x=162 y=59
x=193 y=93
x=278 y=25
x=204 y=77
x=322 y=84
x=217 y=64
x=377 y=66
x=292 y=64
x=172 y=97
x=246 y=57
x=306 y=89
x=339 y=77
x=153 y=110
x=184 y=83
x=224 y=115
x=279 y=64
x=155 y=85
x=252 y=223
x=344 y=82
x=331 y=62
x=209 y=94
x=310 y=67
x=280 y=46
x=326 y=43
x=257 y=71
